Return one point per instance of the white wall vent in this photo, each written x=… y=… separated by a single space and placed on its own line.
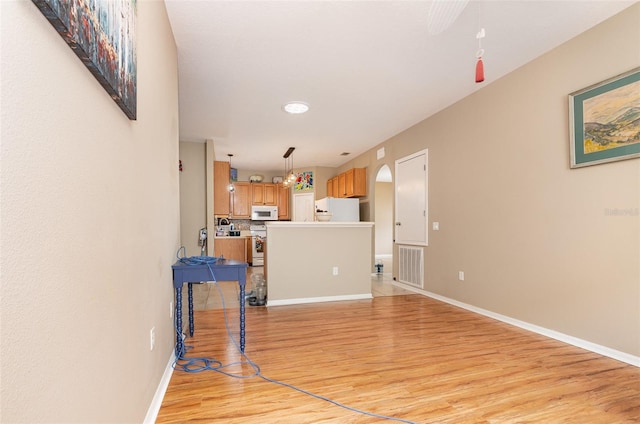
x=411 y=265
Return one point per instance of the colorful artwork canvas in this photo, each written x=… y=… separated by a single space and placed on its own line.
x=102 y=34
x=304 y=181
x=605 y=121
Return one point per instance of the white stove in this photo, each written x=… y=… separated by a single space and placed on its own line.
x=258 y=240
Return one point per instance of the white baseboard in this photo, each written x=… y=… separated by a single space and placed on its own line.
x=156 y=402
x=584 y=344
x=318 y=299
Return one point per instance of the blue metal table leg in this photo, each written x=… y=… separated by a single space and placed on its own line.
x=179 y=342
x=190 y=309
x=242 y=327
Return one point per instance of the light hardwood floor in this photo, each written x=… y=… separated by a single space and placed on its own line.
x=406 y=356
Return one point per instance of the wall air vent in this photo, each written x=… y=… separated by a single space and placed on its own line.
x=411 y=265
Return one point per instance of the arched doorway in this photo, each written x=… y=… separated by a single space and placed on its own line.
x=383 y=207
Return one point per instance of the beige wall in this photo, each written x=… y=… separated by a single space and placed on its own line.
x=193 y=195
x=90 y=225
x=532 y=235
x=301 y=257
x=384 y=197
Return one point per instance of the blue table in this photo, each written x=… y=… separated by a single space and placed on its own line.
x=223 y=270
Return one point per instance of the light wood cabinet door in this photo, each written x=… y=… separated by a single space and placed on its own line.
x=257 y=194
x=264 y=194
x=249 y=250
x=336 y=189
x=231 y=248
x=342 y=185
x=221 y=198
x=351 y=183
x=283 y=203
x=348 y=183
x=330 y=187
x=241 y=200
x=357 y=182
x=270 y=194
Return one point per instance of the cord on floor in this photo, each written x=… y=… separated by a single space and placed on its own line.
x=187 y=364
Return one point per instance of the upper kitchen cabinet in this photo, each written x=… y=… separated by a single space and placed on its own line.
x=221 y=199
x=283 y=203
x=241 y=200
x=332 y=187
x=264 y=194
x=351 y=183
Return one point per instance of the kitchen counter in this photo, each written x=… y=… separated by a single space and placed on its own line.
x=243 y=233
x=309 y=224
x=318 y=261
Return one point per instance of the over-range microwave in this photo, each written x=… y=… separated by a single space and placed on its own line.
x=264 y=213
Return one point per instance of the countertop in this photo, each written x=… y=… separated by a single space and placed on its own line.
x=243 y=233
x=309 y=224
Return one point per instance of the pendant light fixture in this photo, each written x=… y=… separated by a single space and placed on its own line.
x=290 y=176
x=230 y=187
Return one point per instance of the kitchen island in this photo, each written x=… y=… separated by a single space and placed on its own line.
x=310 y=262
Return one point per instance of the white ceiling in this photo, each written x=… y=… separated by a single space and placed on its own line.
x=368 y=69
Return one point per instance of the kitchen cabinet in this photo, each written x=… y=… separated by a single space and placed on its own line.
x=264 y=194
x=241 y=200
x=283 y=203
x=342 y=185
x=221 y=198
x=249 y=250
x=356 y=182
x=351 y=183
x=231 y=248
x=332 y=187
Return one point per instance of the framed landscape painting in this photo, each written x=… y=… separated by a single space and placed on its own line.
x=605 y=121
x=102 y=34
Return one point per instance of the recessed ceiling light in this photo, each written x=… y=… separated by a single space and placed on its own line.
x=295 y=107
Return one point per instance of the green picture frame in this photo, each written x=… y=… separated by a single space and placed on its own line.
x=605 y=121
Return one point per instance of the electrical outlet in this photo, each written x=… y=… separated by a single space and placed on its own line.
x=436 y=226
x=461 y=275
x=152 y=338
x=335 y=270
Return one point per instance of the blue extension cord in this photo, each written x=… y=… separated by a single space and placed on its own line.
x=187 y=364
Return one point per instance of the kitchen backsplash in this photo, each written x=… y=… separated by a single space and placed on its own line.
x=241 y=224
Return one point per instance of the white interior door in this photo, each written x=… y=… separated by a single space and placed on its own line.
x=304 y=207
x=411 y=199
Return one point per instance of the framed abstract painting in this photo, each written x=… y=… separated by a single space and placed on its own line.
x=304 y=181
x=102 y=34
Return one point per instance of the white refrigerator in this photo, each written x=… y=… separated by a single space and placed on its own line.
x=341 y=209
